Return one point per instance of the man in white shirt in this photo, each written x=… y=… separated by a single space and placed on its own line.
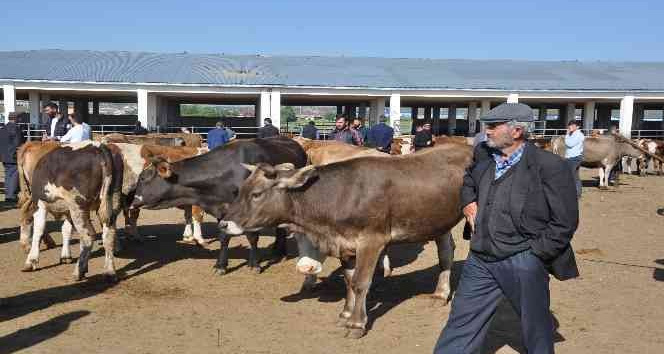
x=574 y=151
x=79 y=132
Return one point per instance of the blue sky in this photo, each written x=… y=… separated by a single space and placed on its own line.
x=550 y=30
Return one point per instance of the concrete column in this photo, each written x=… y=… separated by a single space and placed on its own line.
x=9 y=92
x=570 y=112
x=147 y=109
x=35 y=109
x=362 y=111
x=588 y=115
x=513 y=98
x=486 y=107
x=263 y=108
x=436 y=121
x=472 y=118
x=626 y=116
x=395 y=113
x=542 y=113
x=275 y=108
x=451 y=119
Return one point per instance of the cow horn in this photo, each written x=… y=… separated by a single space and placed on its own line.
x=251 y=168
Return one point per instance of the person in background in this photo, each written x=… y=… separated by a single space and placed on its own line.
x=380 y=135
x=574 y=152
x=139 y=129
x=343 y=133
x=358 y=125
x=11 y=138
x=310 y=131
x=231 y=132
x=218 y=136
x=268 y=130
x=423 y=137
x=57 y=126
x=79 y=132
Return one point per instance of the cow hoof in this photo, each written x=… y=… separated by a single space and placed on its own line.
x=189 y=239
x=78 y=277
x=25 y=247
x=29 y=266
x=49 y=242
x=342 y=322
x=220 y=271
x=355 y=333
x=66 y=260
x=441 y=298
x=111 y=277
x=255 y=270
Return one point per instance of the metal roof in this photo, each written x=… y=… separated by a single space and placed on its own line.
x=361 y=72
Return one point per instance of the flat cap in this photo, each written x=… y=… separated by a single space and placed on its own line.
x=509 y=111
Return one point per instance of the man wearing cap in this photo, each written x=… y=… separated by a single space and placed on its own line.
x=521 y=204
x=11 y=138
x=574 y=151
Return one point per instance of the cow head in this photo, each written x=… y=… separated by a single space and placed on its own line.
x=157 y=186
x=264 y=199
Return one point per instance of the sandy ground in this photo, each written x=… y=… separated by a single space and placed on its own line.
x=169 y=300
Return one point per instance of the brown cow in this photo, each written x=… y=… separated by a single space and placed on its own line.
x=655 y=149
x=172 y=139
x=353 y=209
x=322 y=152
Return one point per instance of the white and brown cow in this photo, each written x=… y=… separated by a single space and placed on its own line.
x=72 y=181
x=655 y=149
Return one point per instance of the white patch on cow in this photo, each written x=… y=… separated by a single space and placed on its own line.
x=54 y=192
x=233 y=229
x=198 y=234
x=133 y=165
x=39 y=224
x=67 y=228
x=306 y=265
x=139 y=198
x=652 y=147
x=187 y=232
x=201 y=151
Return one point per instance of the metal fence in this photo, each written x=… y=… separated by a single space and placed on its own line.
x=636 y=134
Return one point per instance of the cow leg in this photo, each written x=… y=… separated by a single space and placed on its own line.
x=108 y=235
x=280 y=249
x=445 y=246
x=26 y=224
x=38 y=226
x=83 y=225
x=385 y=264
x=187 y=235
x=348 y=266
x=366 y=258
x=65 y=255
x=602 y=176
x=222 y=262
x=131 y=224
x=252 y=237
x=197 y=215
x=310 y=262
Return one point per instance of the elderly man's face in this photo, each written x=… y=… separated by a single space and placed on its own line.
x=502 y=135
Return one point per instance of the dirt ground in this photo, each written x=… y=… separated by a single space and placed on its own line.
x=169 y=301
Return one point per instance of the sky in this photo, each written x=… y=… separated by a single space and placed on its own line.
x=471 y=29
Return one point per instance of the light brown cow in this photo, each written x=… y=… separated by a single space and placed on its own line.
x=355 y=208
x=169 y=139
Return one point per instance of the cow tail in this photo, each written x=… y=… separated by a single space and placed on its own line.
x=106 y=194
x=24 y=194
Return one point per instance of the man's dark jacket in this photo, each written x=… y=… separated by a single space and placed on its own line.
x=543 y=202
x=267 y=131
x=61 y=127
x=11 y=138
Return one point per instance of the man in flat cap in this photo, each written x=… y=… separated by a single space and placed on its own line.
x=521 y=204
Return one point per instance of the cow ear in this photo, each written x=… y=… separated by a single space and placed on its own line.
x=164 y=169
x=249 y=167
x=285 y=167
x=299 y=178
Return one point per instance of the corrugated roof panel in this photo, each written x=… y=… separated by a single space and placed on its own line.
x=220 y=69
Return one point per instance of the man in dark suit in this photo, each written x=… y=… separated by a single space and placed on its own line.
x=58 y=125
x=268 y=130
x=380 y=135
x=521 y=204
x=11 y=138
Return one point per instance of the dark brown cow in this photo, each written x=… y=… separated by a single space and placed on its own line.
x=353 y=209
x=72 y=181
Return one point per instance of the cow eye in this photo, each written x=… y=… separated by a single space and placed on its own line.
x=256 y=195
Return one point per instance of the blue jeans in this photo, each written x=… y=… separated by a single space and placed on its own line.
x=523 y=279
x=574 y=164
x=11 y=180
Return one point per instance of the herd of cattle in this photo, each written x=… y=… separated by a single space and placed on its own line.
x=337 y=200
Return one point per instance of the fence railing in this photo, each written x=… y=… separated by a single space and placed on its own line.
x=636 y=134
